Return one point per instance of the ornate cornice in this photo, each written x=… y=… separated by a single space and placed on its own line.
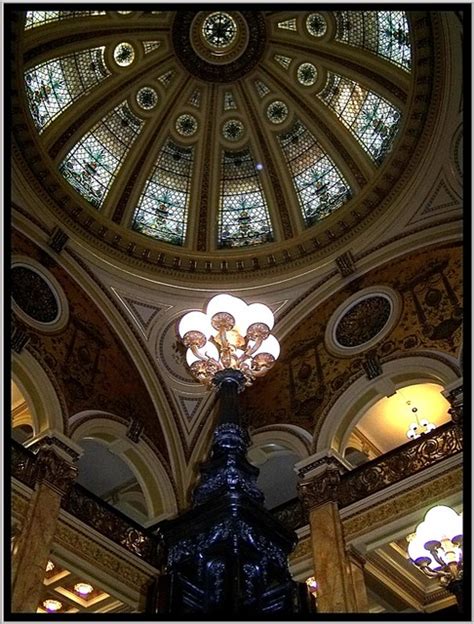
x=397 y=506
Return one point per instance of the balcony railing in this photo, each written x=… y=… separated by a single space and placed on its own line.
x=388 y=469
x=92 y=510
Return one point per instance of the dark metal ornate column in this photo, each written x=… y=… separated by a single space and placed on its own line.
x=228 y=555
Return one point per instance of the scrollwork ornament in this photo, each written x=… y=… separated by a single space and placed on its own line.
x=320 y=490
x=55 y=471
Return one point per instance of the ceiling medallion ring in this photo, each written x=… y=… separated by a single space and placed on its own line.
x=37 y=297
x=362 y=320
x=219 y=46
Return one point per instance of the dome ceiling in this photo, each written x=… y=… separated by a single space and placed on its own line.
x=221 y=141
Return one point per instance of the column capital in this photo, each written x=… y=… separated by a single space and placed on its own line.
x=454 y=394
x=64 y=446
x=321 y=476
x=56 y=471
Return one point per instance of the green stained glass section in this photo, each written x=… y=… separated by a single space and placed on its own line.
x=385 y=33
x=92 y=164
x=52 y=86
x=38 y=18
x=243 y=212
x=163 y=207
x=319 y=185
x=371 y=119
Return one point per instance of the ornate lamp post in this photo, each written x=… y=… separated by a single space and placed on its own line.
x=228 y=555
x=436 y=548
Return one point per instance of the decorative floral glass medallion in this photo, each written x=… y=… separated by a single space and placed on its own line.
x=33 y=295
x=277 y=112
x=147 y=98
x=186 y=125
x=316 y=24
x=233 y=130
x=219 y=30
x=307 y=74
x=124 y=54
x=363 y=321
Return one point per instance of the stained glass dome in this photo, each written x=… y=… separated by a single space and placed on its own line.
x=210 y=141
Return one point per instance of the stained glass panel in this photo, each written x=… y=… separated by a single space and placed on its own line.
x=38 y=18
x=243 y=212
x=92 y=164
x=385 y=33
x=319 y=185
x=371 y=119
x=288 y=24
x=163 y=207
x=52 y=86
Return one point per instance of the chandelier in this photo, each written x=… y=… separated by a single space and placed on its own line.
x=420 y=427
x=436 y=547
x=229 y=336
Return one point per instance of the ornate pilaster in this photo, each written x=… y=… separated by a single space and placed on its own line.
x=54 y=478
x=319 y=492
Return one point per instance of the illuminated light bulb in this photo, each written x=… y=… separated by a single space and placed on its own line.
x=312 y=584
x=83 y=588
x=259 y=166
x=260 y=313
x=270 y=345
x=223 y=303
x=49 y=566
x=195 y=321
x=52 y=605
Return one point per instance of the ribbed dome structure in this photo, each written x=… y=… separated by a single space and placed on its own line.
x=302 y=111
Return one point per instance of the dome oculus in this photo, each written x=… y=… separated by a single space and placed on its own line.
x=219 y=30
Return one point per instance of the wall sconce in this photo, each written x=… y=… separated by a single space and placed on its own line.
x=436 y=548
x=230 y=336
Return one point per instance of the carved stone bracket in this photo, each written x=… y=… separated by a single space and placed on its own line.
x=321 y=489
x=345 y=264
x=19 y=338
x=58 y=473
x=372 y=365
x=58 y=239
x=135 y=429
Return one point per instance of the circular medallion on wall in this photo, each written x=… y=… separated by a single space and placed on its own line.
x=37 y=297
x=362 y=320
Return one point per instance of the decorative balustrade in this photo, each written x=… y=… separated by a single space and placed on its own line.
x=400 y=463
x=91 y=510
x=388 y=469
x=291 y=514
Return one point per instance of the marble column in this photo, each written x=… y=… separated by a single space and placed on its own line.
x=55 y=476
x=331 y=564
x=357 y=563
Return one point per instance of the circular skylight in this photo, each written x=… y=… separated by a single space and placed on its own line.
x=219 y=30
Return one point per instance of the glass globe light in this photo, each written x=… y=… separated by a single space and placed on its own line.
x=229 y=305
x=260 y=313
x=195 y=321
x=269 y=345
x=443 y=522
x=83 y=588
